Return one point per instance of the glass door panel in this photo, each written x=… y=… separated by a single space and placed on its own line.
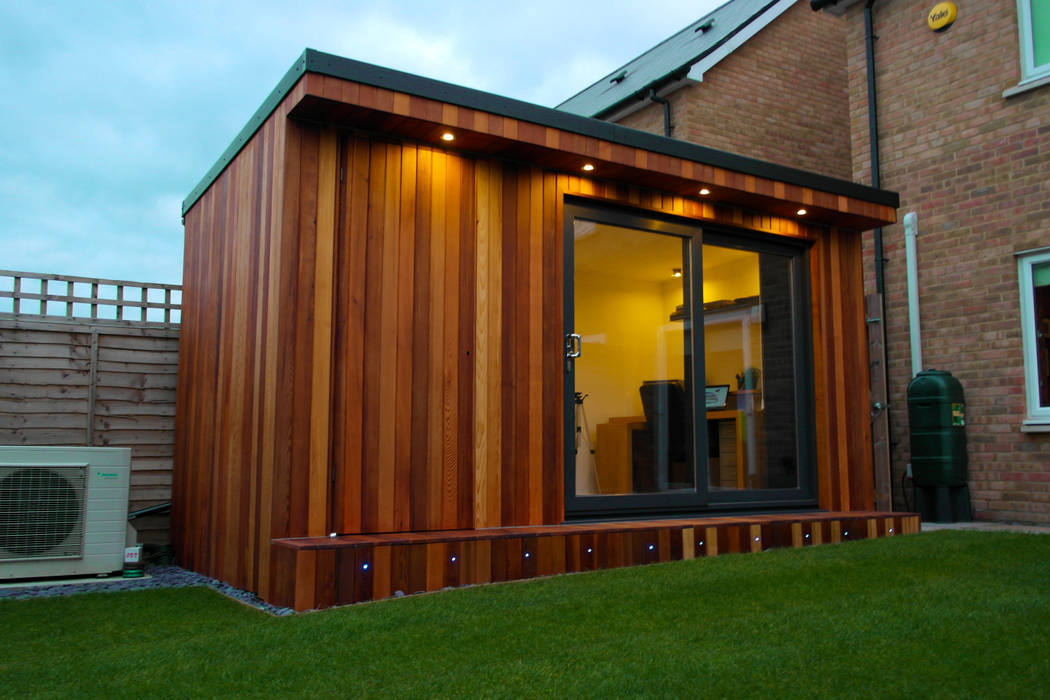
x=748 y=307
x=633 y=375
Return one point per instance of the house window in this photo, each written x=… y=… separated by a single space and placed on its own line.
x=1033 y=18
x=1034 y=274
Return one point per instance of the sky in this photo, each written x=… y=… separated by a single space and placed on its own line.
x=113 y=111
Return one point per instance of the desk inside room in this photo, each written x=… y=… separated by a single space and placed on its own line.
x=621 y=439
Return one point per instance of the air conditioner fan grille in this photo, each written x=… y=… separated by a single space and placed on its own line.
x=41 y=512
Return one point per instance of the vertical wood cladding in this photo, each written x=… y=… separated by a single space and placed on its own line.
x=372 y=337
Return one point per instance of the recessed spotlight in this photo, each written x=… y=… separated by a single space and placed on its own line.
x=447 y=136
x=588 y=167
x=801 y=212
x=704 y=191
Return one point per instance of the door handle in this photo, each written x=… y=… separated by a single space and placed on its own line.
x=573 y=345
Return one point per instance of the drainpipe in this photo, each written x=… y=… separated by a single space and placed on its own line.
x=667 y=110
x=873 y=139
x=914 y=333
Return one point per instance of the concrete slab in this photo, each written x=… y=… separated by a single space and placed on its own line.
x=983 y=526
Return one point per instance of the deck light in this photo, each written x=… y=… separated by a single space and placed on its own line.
x=891 y=530
x=756 y=539
x=807 y=535
x=452 y=559
x=700 y=543
x=846 y=533
x=589 y=550
x=652 y=547
x=801 y=212
x=588 y=167
x=333 y=534
x=527 y=555
x=364 y=567
x=704 y=191
x=447 y=136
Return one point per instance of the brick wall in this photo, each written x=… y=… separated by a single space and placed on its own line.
x=781 y=97
x=975 y=167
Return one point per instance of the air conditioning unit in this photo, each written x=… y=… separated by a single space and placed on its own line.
x=63 y=510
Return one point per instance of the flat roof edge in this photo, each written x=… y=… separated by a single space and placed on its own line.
x=312 y=61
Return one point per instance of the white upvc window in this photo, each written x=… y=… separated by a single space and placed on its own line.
x=1033 y=269
x=1033 y=21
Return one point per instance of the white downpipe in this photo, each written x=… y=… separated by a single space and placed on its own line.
x=911 y=229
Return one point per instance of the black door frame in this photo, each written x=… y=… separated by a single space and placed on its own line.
x=700 y=500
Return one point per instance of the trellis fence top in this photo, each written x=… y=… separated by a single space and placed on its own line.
x=51 y=297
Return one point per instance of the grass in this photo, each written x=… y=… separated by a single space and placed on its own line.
x=943 y=614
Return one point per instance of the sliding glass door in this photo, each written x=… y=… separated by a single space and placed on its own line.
x=652 y=305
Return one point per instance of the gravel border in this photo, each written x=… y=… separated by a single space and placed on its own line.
x=158 y=577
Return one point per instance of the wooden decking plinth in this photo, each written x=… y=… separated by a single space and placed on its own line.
x=319 y=572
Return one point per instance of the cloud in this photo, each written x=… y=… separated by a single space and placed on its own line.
x=115 y=110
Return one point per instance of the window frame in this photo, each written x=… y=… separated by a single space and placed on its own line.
x=1029 y=71
x=701 y=501
x=1026 y=260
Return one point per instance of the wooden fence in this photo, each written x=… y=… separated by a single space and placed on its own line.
x=88 y=361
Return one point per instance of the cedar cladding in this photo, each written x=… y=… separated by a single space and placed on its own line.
x=371 y=342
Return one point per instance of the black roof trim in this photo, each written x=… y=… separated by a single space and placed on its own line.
x=312 y=61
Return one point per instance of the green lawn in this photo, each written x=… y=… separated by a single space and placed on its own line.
x=944 y=614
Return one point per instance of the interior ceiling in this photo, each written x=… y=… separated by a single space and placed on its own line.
x=644 y=256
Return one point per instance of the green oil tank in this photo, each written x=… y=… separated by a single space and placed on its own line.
x=937 y=424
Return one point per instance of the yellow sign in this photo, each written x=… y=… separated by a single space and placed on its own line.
x=941 y=16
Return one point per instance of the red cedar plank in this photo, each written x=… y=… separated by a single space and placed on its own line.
x=421 y=341
x=222 y=550
x=438 y=326
x=388 y=340
x=509 y=349
x=267 y=431
x=435 y=565
x=303 y=342
x=544 y=555
x=282 y=577
x=341 y=370
x=553 y=376
x=305 y=579
x=536 y=346
x=233 y=368
x=454 y=572
x=252 y=544
x=364 y=575
x=382 y=574
x=247 y=514
x=529 y=557
x=523 y=459
x=373 y=350
x=839 y=312
x=402 y=104
x=402 y=498
x=450 y=351
x=358 y=169
x=483 y=561
x=494 y=380
x=860 y=468
x=466 y=342
x=325 y=579
x=345 y=575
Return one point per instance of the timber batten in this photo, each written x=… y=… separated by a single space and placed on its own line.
x=321 y=572
x=372 y=319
